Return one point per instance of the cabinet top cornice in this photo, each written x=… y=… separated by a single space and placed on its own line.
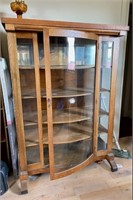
x=11 y=24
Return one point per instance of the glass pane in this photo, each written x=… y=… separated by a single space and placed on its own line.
x=107 y=50
x=29 y=90
x=32 y=154
x=30 y=116
x=72 y=53
x=105 y=83
x=73 y=75
x=25 y=52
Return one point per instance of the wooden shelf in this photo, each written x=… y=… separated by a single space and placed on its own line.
x=68 y=92
x=26 y=67
x=30 y=118
x=76 y=66
x=102 y=129
x=104 y=90
x=70 y=116
x=60 y=116
x=57 y=66
x=65 y=116
x=58 y=93
x=103 y=112
x=28 y=94
x=65 y=155
x=62 y=134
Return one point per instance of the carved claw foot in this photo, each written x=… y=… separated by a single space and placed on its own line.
x=110 y=159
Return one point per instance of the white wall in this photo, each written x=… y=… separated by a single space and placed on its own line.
x=91 y=11
x=100 y=11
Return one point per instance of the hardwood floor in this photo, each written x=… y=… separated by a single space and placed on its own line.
x=95 y=182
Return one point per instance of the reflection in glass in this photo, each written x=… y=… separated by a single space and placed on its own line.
x=107 y=50
x=71 y=53
x=25 y=52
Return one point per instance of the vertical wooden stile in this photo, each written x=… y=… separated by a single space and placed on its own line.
x=112 y=92
x=14 y=68
x=49 y=100
x=96 y=95
x=38 y=95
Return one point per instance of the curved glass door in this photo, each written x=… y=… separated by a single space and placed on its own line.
x=72 y=70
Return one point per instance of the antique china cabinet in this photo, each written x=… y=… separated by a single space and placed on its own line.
x=63 y=78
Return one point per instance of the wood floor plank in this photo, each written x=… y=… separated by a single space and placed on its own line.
x=95 y=182
x=120 y=192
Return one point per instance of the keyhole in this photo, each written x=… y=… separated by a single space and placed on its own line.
x=49 y=102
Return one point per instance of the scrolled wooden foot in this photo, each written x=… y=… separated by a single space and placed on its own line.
x=110 y=159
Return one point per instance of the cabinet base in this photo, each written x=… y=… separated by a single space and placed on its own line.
x=24 y=192
x=24 y=186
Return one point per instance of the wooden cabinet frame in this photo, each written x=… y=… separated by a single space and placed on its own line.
x=28 y=29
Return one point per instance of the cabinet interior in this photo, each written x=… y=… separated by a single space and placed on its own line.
x=72 y=94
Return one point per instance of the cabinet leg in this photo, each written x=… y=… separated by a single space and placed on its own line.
x=110 y=159
x=24 y=186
